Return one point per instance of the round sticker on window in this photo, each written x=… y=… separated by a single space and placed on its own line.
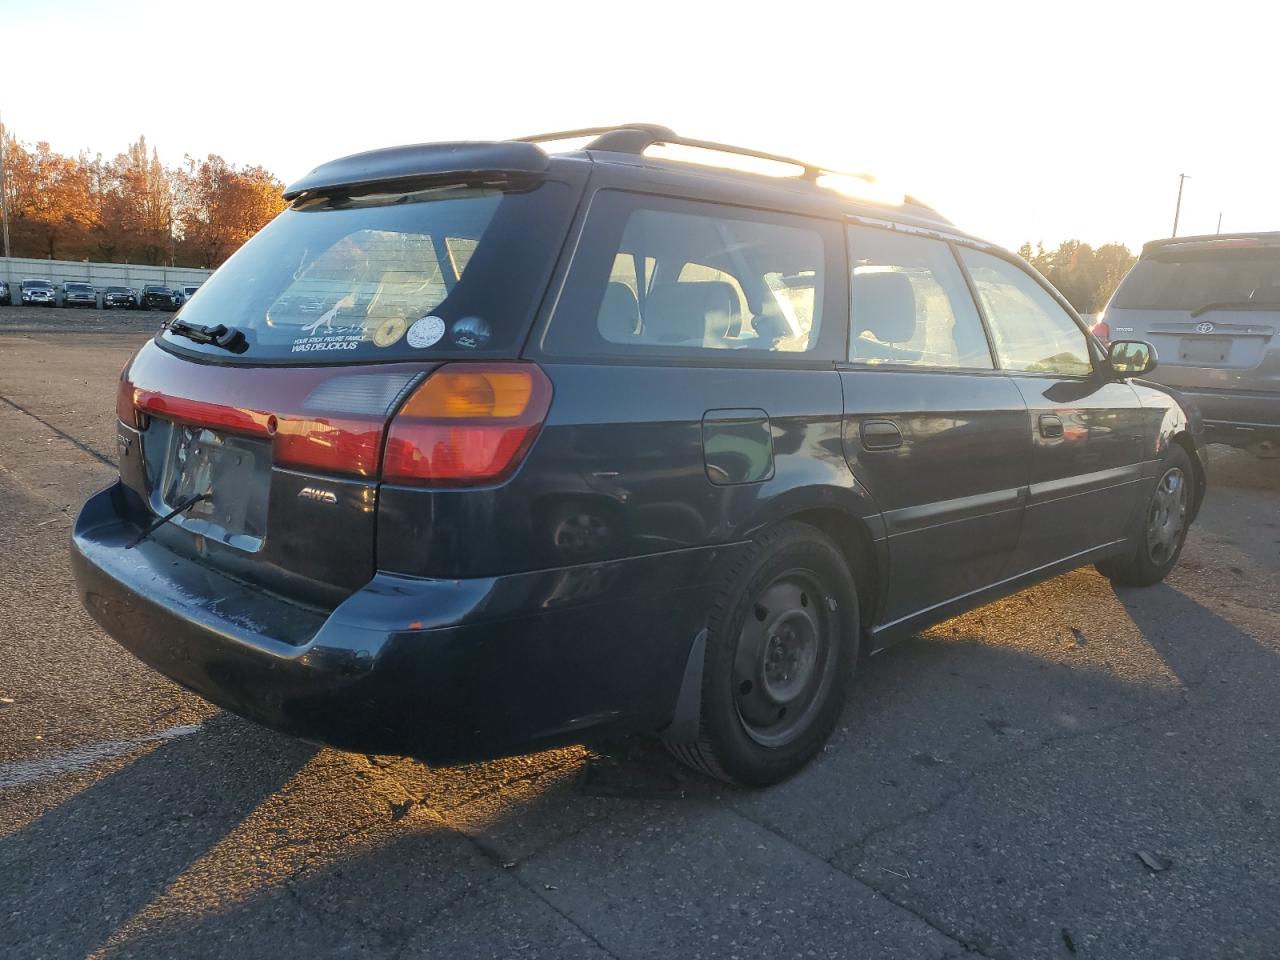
x=389 y=331
x=426 y=332
x=471 y=332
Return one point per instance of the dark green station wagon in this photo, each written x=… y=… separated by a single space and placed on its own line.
x=480 y=449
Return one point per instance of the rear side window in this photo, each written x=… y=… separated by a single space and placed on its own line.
x=1032 y=332
x=1188 y=276
x=910 y=304
x=660 y=277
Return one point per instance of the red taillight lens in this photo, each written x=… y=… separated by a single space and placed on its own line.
x=467 y=424
x=1102 y=331
x=126 y=409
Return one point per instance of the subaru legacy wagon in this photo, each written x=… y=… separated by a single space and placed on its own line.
x=582 y=444
x=1211 y=306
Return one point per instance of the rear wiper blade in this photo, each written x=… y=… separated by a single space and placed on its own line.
x=228 y=338
x=1236 y=305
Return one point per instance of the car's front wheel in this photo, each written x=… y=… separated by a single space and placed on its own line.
x=782 y=642
x=1166 y=519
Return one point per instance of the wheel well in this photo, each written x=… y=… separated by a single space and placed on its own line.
x=1184 y=440
x=854 y=540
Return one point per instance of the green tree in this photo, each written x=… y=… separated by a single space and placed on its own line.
x=1085 y=276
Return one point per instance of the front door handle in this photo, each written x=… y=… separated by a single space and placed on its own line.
x=880 y=435
x=1050 y=426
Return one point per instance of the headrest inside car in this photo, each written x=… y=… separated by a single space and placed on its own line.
x=695 y=314
x=619 y=319
x=885 y=305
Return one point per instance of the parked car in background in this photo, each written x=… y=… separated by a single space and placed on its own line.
x=156 y=297
x=1211 y=307
x=119 y=297
x=38 y=293
x=5 y=296
x=77 y=294
x=189 y=291
x=667 y=449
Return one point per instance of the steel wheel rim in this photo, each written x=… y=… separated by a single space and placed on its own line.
x=1167 y=516
x=785 y=659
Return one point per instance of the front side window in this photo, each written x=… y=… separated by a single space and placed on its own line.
x=663 y=277
x=1032 y=332
x=910 y=305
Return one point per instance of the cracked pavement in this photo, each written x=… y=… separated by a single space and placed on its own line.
x=987 y=792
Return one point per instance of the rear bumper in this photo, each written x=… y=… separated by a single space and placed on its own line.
x=1236 y=417
x=445 y=671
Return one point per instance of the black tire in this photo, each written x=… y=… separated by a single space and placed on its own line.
x=782 y=635
x=1166 y=518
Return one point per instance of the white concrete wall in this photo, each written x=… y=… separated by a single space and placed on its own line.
x=133 y=275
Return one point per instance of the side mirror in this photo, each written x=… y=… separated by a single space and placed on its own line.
x=1131 y=358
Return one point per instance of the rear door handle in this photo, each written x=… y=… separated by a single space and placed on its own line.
x=1050 y=426
x=880 y=435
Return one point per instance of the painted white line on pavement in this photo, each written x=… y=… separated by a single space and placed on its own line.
x=22 y=772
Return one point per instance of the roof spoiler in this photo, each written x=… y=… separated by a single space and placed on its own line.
x=397 y=165
x=1222 y=240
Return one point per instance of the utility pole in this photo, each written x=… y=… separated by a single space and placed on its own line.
x=1219 y=230
x=1178 y=209
x=4 y=196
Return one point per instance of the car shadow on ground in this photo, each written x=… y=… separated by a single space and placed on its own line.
x=237 y=836
x=70 y=878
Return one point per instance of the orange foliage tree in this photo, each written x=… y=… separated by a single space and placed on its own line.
x=133 y=208
x=223 y=206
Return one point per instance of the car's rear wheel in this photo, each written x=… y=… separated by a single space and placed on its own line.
x=782 y=641
x=1165 y=522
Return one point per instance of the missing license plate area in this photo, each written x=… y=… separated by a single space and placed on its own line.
x=234 y=475
x=1204 y=350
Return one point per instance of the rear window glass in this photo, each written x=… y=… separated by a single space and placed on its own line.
x=661 y=277
x=1187 y=277
x=444 y=271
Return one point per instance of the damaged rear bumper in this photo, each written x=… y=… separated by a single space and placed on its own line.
x=442 y=670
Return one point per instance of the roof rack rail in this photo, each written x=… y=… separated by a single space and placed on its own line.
x=637 y=137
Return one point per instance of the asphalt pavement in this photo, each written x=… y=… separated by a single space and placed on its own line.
x=1075 y=771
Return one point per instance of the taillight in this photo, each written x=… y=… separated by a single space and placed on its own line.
x=467 y=424
x=126 y=406
x=1102 y=331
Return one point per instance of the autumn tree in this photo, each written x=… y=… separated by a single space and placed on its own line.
x=133 y=208
x=137 y=206
x=223 y=206
x=50 y=200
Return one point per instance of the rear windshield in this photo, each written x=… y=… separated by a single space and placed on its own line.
x=445 y=271
x=1190 y=276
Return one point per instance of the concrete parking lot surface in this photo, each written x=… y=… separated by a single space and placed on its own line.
x=1074 y=771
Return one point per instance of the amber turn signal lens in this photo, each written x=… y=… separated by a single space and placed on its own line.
x=480 y=395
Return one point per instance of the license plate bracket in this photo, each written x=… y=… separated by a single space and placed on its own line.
x=1204 y=350
x=233 y=476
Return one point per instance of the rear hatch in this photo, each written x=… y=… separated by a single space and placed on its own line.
x=263 y=409
x=1211 y=307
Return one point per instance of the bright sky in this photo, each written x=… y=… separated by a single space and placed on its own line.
x=1023 y=120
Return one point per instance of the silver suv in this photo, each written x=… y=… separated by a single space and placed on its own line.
x=1211 y=307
